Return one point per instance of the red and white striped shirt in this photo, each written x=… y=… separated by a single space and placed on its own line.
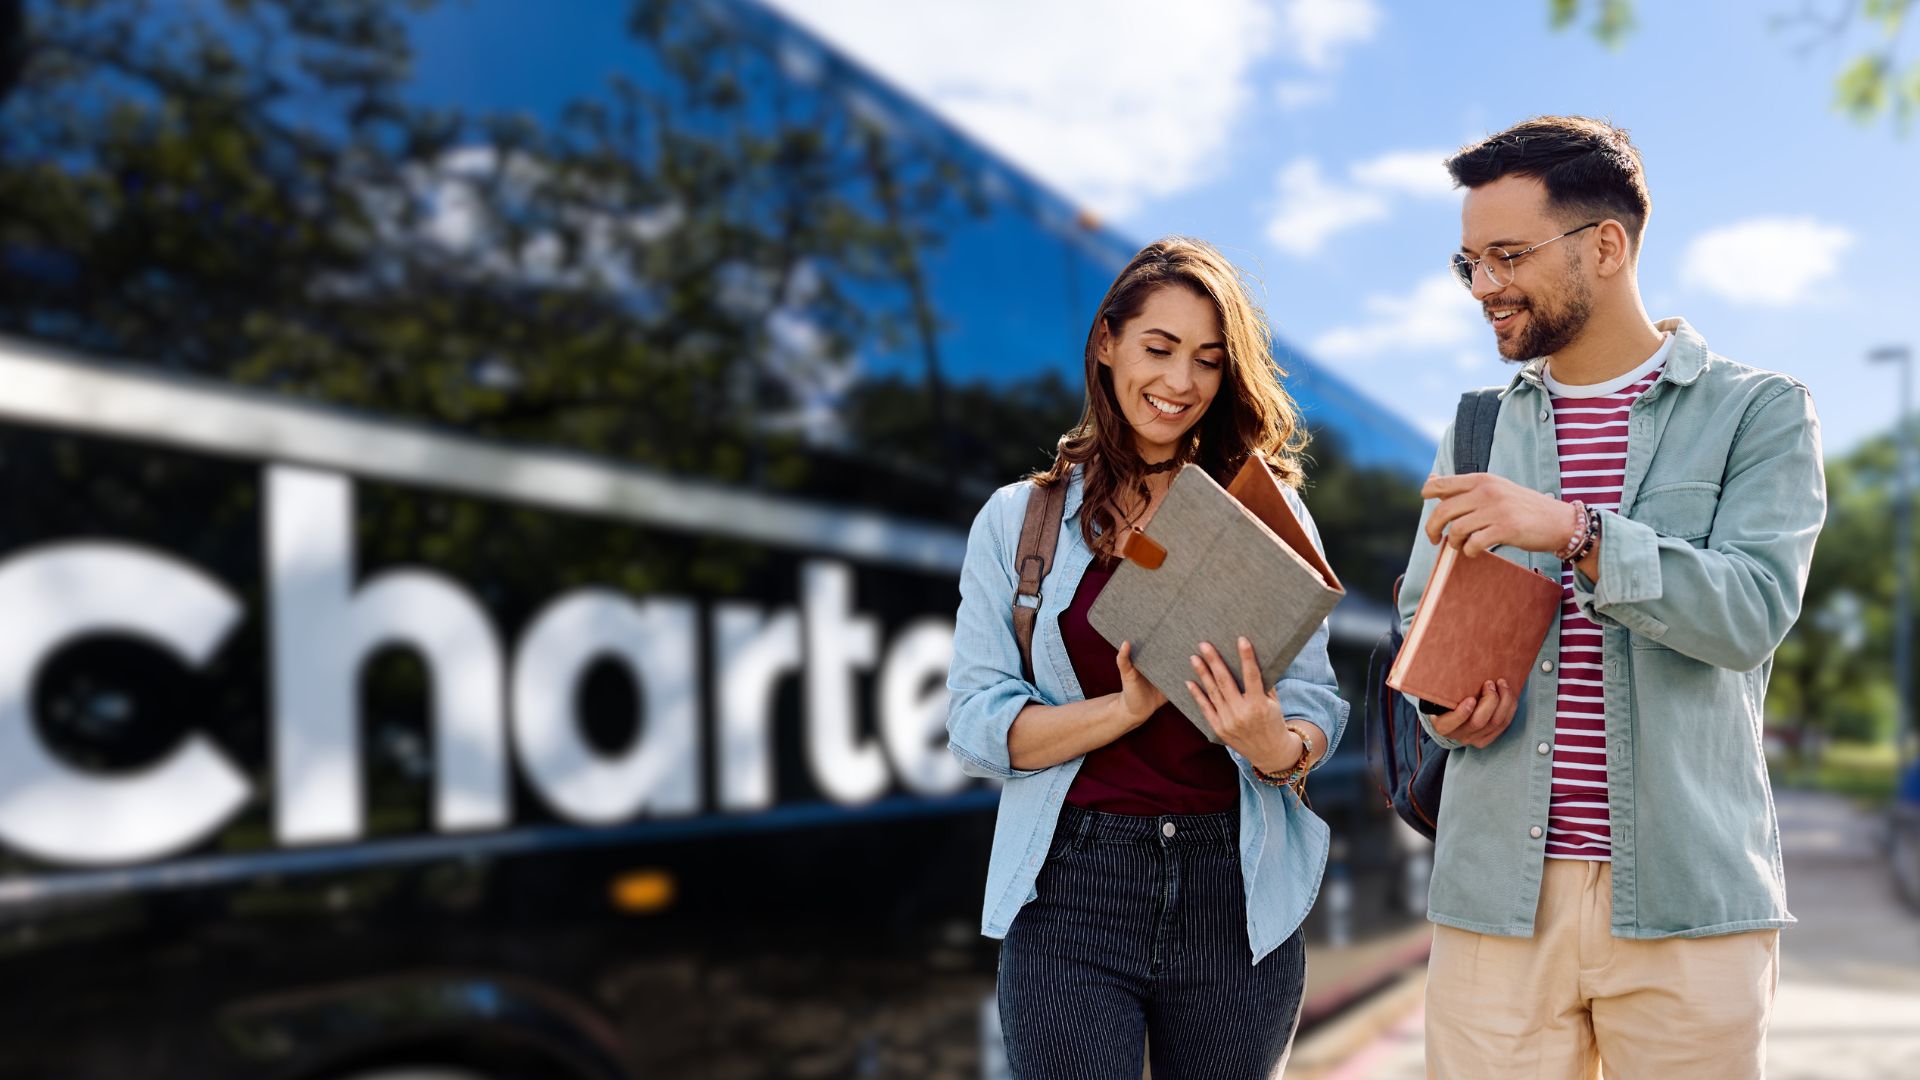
x=1590 y=427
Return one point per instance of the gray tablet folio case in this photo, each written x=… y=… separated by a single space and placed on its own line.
x=1213 y=566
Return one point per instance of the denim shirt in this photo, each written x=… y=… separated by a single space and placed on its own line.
x=1701 y=575
x=1283 y=844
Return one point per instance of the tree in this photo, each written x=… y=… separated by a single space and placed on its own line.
x=1878 y=79
x=253 y=192
x=1833 y=672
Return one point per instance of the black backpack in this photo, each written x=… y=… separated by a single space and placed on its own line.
x=1405 y=761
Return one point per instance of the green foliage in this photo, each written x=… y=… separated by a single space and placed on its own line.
x=1877 y=80
x=1869 y=772
x=1366 y=515
x=1613 y=20
x=993 y=433
x=248 y=192
x=1834 y=672
x=1861 y=89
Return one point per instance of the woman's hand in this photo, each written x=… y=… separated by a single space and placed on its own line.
x=1138 y=697
x=1046 y=735
x=1250 y=721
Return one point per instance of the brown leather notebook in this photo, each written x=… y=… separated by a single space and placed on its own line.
x=1479 y=619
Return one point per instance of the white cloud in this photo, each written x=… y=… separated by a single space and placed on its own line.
x=1132 y=103
x=1436 y=316
x=1316 y=31
x=1419 y=173
x=1417 y=349
x=1765 y=260
x=1310 y=209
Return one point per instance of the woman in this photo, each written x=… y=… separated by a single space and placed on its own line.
x=1149 y=884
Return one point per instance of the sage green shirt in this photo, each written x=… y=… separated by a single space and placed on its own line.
x=1701 y=575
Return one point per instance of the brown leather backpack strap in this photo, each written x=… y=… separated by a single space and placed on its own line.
x=1038 y=536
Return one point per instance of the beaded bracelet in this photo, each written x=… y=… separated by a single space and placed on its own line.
x=1578 y=542
x=1592 y=535
x=1296 y=777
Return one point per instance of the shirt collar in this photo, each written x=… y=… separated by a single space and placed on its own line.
x=1688 y=358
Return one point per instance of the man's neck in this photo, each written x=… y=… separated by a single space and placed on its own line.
x=1610 y=347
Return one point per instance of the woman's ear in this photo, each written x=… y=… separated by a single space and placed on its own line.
x=1103 y=344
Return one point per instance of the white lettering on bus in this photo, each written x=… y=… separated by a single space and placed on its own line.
x=323 y=628
x=660 y=771
x=51 y=596
x=323 y=632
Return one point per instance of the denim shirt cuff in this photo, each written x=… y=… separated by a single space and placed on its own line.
x=982 y=747
x=1629 y=574
x=1321 y=706
x=1442 y=741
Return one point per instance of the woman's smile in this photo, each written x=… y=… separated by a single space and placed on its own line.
x=1168 y=407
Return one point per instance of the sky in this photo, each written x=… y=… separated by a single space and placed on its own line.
x=1305 y=138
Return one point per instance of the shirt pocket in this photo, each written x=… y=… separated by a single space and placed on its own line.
x=1682 y=510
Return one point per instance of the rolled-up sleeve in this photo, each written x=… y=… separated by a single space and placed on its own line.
x=985 y=689
x=1731 y=602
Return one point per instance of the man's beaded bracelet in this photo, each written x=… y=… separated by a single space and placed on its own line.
x=1578 y=542
x=1592 y=536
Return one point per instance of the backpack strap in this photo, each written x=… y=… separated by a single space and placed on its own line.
x=1473 y=423
x=1038 y=535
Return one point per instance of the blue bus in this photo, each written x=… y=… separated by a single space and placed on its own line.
x=481 y=494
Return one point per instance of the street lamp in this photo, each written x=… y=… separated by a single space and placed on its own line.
x=1902 y=542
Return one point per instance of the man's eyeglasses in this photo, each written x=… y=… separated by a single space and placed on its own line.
x=1498 y=262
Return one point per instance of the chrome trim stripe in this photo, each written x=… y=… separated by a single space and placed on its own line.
x=40 y=386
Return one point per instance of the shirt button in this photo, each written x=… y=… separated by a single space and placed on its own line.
x=1545 y=415
x=1167 y=830
x=1534 y=832
x=1543 y=748
x=1546 y=665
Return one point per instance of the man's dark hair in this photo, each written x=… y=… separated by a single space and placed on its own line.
x=1589 y=167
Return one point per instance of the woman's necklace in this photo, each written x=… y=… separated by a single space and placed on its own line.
x=1143 y=512
x=1168 y=465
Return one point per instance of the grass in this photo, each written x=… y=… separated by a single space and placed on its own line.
x=1865 y=771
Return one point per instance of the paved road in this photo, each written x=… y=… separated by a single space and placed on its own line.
x=1848 y=1007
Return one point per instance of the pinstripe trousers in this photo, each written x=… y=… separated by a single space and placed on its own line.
x=1137 y=943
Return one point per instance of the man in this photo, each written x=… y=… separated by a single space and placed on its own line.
x=1607 y=880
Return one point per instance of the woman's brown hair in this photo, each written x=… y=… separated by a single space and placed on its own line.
x=1252 y=412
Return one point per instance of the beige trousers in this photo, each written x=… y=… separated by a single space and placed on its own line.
x=1555 y=1005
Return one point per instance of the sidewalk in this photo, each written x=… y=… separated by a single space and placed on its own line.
x=1848 y=1006
x=1849 y=1000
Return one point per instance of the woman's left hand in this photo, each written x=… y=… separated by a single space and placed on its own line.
x=1250 y=721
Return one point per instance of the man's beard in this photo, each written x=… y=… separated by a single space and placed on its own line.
x=1550 y=330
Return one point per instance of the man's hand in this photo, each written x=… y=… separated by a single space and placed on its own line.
x=1480 y=511
x=1479 y=721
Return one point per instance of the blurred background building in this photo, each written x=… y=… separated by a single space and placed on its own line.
x=482 y=485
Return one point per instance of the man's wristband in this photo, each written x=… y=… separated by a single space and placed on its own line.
x=1582 y=532
x=1591 y=538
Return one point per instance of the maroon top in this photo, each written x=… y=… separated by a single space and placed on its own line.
x=1164 y=766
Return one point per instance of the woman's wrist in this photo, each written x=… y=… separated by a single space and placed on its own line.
x=1124 y=714
x=1288 y=754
